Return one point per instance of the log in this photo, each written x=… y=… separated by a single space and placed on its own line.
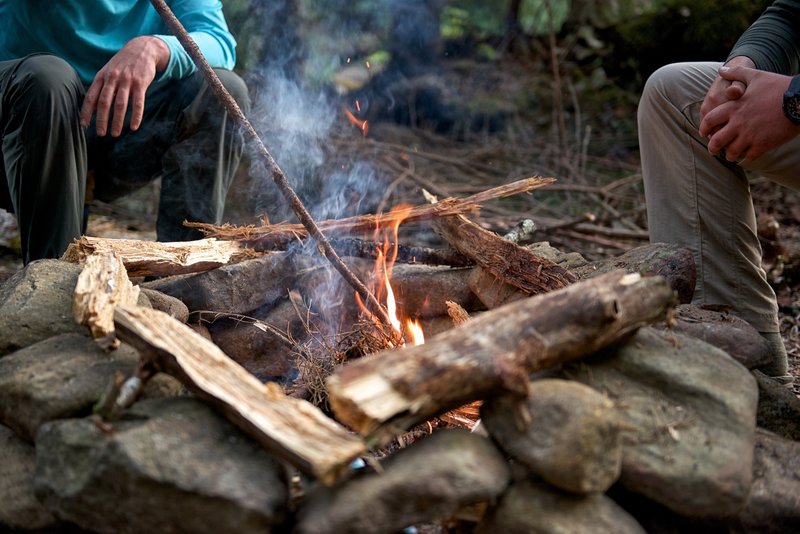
x=149 y=258
x=271 y=236
x=292 y=429
x=509 y=262
x=494 y=353
x=102 y=285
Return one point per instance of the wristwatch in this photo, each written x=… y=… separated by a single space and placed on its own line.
x=791 y=100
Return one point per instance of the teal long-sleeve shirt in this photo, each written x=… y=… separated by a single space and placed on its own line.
x=87 y=33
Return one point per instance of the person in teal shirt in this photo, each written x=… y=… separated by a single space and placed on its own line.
x=100 y=89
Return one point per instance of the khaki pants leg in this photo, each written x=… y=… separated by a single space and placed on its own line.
x=703 y=202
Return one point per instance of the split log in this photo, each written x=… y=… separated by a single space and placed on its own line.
x=509 y=262
x=291 y=428
x=271 y=236
x=102 y=285
x=149 y=258
x=383 y=395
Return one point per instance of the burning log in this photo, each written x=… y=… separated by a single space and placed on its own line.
x=494 y=353
x=291 y=428
x=102 y=285
x=271 y=236
x=147 y=258
x=509 y=262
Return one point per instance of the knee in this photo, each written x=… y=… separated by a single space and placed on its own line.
x=236 y=87
x=658 y=88
x=47 y=79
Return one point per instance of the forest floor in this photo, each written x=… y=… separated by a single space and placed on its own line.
x=595 y=208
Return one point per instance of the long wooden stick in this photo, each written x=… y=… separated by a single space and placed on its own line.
x=277 y=174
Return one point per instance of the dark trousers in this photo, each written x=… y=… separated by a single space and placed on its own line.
x=186 y=139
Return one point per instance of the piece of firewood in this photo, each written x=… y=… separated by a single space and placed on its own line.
x=293 y=429
x=102 y=285
x=272 y=236
x=150 y=258
x=509 y=262
x=494 y=353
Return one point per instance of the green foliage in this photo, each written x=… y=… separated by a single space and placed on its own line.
x=682 y=30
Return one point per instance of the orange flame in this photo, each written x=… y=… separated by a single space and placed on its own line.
x=383 y=272
x=362 y=125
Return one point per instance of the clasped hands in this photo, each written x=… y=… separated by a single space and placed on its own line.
x=742 y=113
x=123 y=81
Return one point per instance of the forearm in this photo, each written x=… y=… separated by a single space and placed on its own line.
x=773 y=41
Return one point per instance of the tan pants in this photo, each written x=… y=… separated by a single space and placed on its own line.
x=703 y=202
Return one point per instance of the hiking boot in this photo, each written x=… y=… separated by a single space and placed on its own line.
x=778 y=368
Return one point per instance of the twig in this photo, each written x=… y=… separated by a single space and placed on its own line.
x=277 y=174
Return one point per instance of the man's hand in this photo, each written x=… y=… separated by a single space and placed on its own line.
x=753 y=123
x=723 y=90
x=124 y=78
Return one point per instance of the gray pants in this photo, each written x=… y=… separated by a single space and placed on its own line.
x=186 y=139
x=703 y=202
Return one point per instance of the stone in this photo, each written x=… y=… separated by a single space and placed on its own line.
x=259 y=349
x=57 y=378
x=573 y=438
x=723 y=330
x=36 y=303
x=168 y=304
x=168 y=465
x=773 y=505
x=430 y=479
x=532 y=507
x=19 y=508
x=673 y=262
x=236 y=288
x=692 y=411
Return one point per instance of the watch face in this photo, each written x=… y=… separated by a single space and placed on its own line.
x=792 y=107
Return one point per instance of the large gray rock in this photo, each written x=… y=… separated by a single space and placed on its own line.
x=778 y=408
x=530 y=507
x=693 y=411
x=63 y=377
x=235 y=288
x=19 y=509
x=774 y=501
x=723 y=330
x=36 y=303
x=573 y=439
x=171 y=465
x=428 y=480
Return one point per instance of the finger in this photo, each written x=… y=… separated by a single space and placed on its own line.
x=120 y=108
x=735 y=152
x=714 y=120
x=90 y=102
x=735 y=90
x=104 y=103
x=137 y=106
x=721 y=139
x=739 y=74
